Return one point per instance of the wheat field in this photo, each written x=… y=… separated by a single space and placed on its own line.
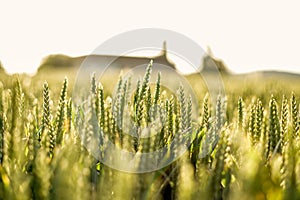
x=242 y=146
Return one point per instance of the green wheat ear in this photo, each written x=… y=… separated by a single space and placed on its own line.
x=100 y=100
x=46 y=135
x=69 y=115
x=258 y=127
x=46 y=120
x=189 y=111
x=274 y=127
x=252 y=118
x=20 y=97
x=157 y=94
x=284 y=135
x=256 y=121
x=60 y=115
x=205 y=113
x=241 y=113
x=17 y=99
x=145 y=83
x=294 y=115
x=220 y=113
x=140 y=99
x=284 y=121
x=2 y=126
x=93 y=84
x=148 y=103
x=182 y=110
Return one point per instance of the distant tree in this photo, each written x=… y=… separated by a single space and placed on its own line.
x=1 y=67
x=56 y=61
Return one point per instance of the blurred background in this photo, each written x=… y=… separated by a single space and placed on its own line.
x=247 y=36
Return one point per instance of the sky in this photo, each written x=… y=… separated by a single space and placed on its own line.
x=246 y=35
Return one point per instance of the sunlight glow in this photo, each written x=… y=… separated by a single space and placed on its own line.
x=257 y=35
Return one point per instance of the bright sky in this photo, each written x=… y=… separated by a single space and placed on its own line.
x=246 y=35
